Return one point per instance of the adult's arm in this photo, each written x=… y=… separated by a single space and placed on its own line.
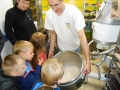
x=52 y=43
x=9 y=21
x=85 y=48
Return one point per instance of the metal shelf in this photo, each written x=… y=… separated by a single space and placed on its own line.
x=116 y=74
x=117 y=56
x=114 y=78
x=106 y=88
x=115 y=62
x=114 y=82
x=118 y=46
x=110 y=85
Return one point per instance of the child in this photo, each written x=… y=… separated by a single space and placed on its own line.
x=38 y=41
x=25 y=49
x=45 y=32
x=12 y=66
x=56 y=49
x=51 y=73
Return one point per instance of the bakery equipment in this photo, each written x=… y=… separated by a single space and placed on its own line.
x=73 y=65
x=106 y=29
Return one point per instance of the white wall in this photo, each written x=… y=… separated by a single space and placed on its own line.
x=4 y=6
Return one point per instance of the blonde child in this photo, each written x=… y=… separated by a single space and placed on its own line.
x=12 y=66
x=25 y=49
x=51 y=73
x=38 y=41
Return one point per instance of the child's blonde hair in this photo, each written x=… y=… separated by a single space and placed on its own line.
x=11 y=63
x=52 y=71
x=38 y=41
x=45 y=88
x=22 y=46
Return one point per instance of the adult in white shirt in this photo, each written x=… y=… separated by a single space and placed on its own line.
x=66 y=22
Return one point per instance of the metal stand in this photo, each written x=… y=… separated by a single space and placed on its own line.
x=103 y=55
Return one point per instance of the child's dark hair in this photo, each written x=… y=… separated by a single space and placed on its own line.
x=45 y=32
x=38 y=41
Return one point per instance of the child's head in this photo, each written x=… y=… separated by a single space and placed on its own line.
x=13 y=65
x=24 y=48
x=52 y=71
x=38 y=40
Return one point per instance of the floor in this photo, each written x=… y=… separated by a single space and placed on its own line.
x=94 y=84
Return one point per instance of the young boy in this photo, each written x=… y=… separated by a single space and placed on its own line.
x=13 y=66
x=51 y=73
x=25 y=49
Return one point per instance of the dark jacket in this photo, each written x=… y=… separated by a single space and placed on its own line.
x=8 y=82
x=2 y=41
x=19 y=24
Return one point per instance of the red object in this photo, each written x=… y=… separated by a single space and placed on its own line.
x=43 y=56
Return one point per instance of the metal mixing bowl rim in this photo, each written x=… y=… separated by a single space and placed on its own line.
x=77 y=76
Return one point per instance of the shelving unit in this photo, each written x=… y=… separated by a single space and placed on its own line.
x=113 y=82
x=35 y=6
x=90 y=14
x=89 y=11
x=34 y=9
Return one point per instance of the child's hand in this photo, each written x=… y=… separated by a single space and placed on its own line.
x=40 y=61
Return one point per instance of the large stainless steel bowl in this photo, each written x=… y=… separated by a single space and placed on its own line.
x=71 y=59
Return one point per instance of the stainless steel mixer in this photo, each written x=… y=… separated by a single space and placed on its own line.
x=71 y=59
x=105 y=33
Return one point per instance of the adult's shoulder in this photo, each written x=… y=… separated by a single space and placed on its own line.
x=50 y=13
x=73 y=10
x=72 y=7
x=29 y=11
x=11 y=10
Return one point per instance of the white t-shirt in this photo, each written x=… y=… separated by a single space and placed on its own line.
x=66 y=26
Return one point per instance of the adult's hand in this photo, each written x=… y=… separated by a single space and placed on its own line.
x=52 y=43
x=50 y=55
x=87 y=69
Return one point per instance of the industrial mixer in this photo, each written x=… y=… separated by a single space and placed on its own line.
x=106 y=29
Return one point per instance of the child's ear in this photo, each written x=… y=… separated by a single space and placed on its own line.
x=59 y=81
x=22 y=54
x=13 y=73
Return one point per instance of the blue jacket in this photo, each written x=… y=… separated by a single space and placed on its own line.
x=30 y=76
